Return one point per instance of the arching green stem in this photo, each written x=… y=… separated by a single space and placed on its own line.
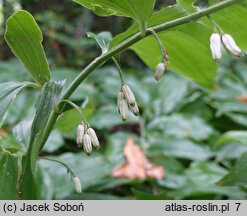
x=60 y=162
x=161 y=45
x=119 y=70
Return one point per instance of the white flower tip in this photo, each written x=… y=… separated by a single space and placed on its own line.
x=87 y=144
x=77 y=184
x=128 y=94
x=123 y=109
x=80 y=134
x=93 y=137
x=231 y=45
x=215 y=46
x=160 y=70
x=135 y=109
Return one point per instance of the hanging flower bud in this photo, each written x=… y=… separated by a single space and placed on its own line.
x=160 y=70
x=215 y=43
x=77 y=184
x=134 y=109
x=119 y=98
x=80 y=134
x=87 y=144
x=128 y=94
x=123 y=109
x=93 y=137
x=231 y=46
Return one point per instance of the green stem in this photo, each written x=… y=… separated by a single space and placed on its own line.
x=124 y=45
x=161 y=45
x=60 y=162
x=73 y=105
x=216 y=26
x=119 y=70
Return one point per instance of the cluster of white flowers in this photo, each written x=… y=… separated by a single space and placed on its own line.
x=126 y=99
x=87 y=138
x=228 y=42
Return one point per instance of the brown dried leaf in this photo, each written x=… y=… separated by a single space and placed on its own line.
x=137 y=166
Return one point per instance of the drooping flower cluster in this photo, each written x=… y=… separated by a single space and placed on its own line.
x=228 y=42
x=87 y=138
x=126 y=99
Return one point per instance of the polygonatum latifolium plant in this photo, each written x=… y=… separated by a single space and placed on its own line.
x=176 y=37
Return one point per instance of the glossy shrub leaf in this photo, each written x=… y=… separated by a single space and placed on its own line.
x=103 y=39
x=238 y=174
x=9 y=175
x=8 y=92
x=138 y=10
x=24 y=38
x=45 y=104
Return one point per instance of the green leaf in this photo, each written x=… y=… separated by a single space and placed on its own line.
x=24 y=38
x=8 y=92
x=238 y=174
x=138 y=10
x=9 y=175
x=180 y=148
x=188 y=43
x=45 y=104
x=233 y=136
x=69 y=120
x=54 y=142
x=182 y=126
x=90 y=170
x=103 y=39
x=140 y=195
x=162 y=16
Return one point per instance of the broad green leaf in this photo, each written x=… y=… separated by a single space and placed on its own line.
x=235 y=25
x=162 y=16
x=181 y=126
x=9 y=175
x=179 y=148
x=107 y=116
x=188 y=43
x=90 y=170
x=69 y=120
x=185 y=46
x=233 y=136
x=8 y=92
x=103 y=39
x=45 y=104
x=24 y=38
x=54 y=142
x=238 y=174
x=230 y=151
x=140 y=195
x=138 y=10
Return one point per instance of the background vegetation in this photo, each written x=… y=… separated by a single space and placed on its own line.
x=195 y=134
